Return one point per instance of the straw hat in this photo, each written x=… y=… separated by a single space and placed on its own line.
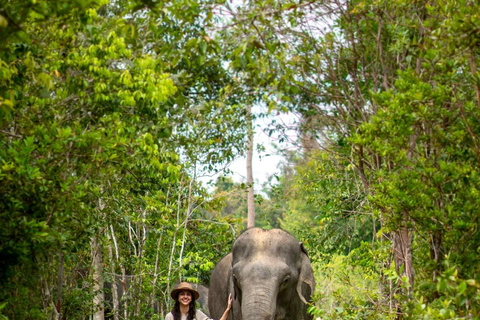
x=184 y=286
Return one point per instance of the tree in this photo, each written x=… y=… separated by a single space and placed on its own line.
x=232 y=201
x=251 y=195
x=385 y=84
x=88 y=118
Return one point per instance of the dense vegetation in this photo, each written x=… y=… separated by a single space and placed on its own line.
x=111 y=112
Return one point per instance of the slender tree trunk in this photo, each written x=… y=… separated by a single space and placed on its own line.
x=58 y=314
x=132 y=294
x=185 y=223
x=155 y=274
x=402 y=252
x=98 y=284
x=385 y=285
x=180 y=257
x=142 y=238
x=251 y=196
x=47 y=300
x=123 y=279
x=308 y=139
x=174 y=241
x=126 y=293
x=115 y=299
x=435 y=254
x=402 y=243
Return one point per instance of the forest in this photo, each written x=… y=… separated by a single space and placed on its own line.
x=113 y=113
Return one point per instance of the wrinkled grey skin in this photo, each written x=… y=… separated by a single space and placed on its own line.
x=269 y=275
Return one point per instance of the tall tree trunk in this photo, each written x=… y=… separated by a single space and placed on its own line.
x=435 y=254
x=155 y=274
x=307 y=136
x=402 y=252
x=58 y=314
x=185 y=223
x=385 y=283
x=174 y=241
x=123 y=279
x=142 y=238
x=402 y=243
x=98 y=284
x=126 y=293
x=115 y=299
x=251 y=196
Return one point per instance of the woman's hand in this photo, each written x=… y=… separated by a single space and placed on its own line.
x=229 y=306
x=229 y=302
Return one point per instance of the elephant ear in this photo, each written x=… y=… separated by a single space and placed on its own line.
x=306 y=280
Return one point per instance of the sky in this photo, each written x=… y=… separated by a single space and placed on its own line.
x=266 y=163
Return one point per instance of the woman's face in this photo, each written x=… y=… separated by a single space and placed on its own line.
x=185 y=297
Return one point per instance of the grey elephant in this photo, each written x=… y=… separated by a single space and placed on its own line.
x=269 y=276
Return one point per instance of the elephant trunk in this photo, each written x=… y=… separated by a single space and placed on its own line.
x=259 y=304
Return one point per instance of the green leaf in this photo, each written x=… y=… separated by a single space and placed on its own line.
x=462 y=287
x=203 y=47
x=3 y=22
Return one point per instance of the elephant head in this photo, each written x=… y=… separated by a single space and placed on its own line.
x=269 y=275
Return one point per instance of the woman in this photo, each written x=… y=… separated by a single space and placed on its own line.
x=185 y=309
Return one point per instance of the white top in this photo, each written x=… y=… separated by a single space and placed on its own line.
x=198 y=316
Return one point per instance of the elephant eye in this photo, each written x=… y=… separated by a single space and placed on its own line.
x=235 y=280
x=237 y=289
x=285 y=280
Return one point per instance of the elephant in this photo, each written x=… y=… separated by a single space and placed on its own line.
x=269 y=275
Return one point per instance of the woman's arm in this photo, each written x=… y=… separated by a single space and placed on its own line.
x=227 y=311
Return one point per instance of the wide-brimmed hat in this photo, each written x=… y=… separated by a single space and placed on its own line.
x=184 y=286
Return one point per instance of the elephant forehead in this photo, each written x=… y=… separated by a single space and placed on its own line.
x=257 y=243
x=262 y=269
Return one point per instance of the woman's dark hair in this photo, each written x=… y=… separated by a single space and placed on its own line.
x=192 y=310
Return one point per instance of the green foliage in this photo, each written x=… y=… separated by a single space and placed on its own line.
x=232 y=199
x=458 y=298
x=94 y=128
x=325 y=198
x=15 y=16
x=347 y=286
x=443 y=165
x=390 y=92
x=110 y=110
